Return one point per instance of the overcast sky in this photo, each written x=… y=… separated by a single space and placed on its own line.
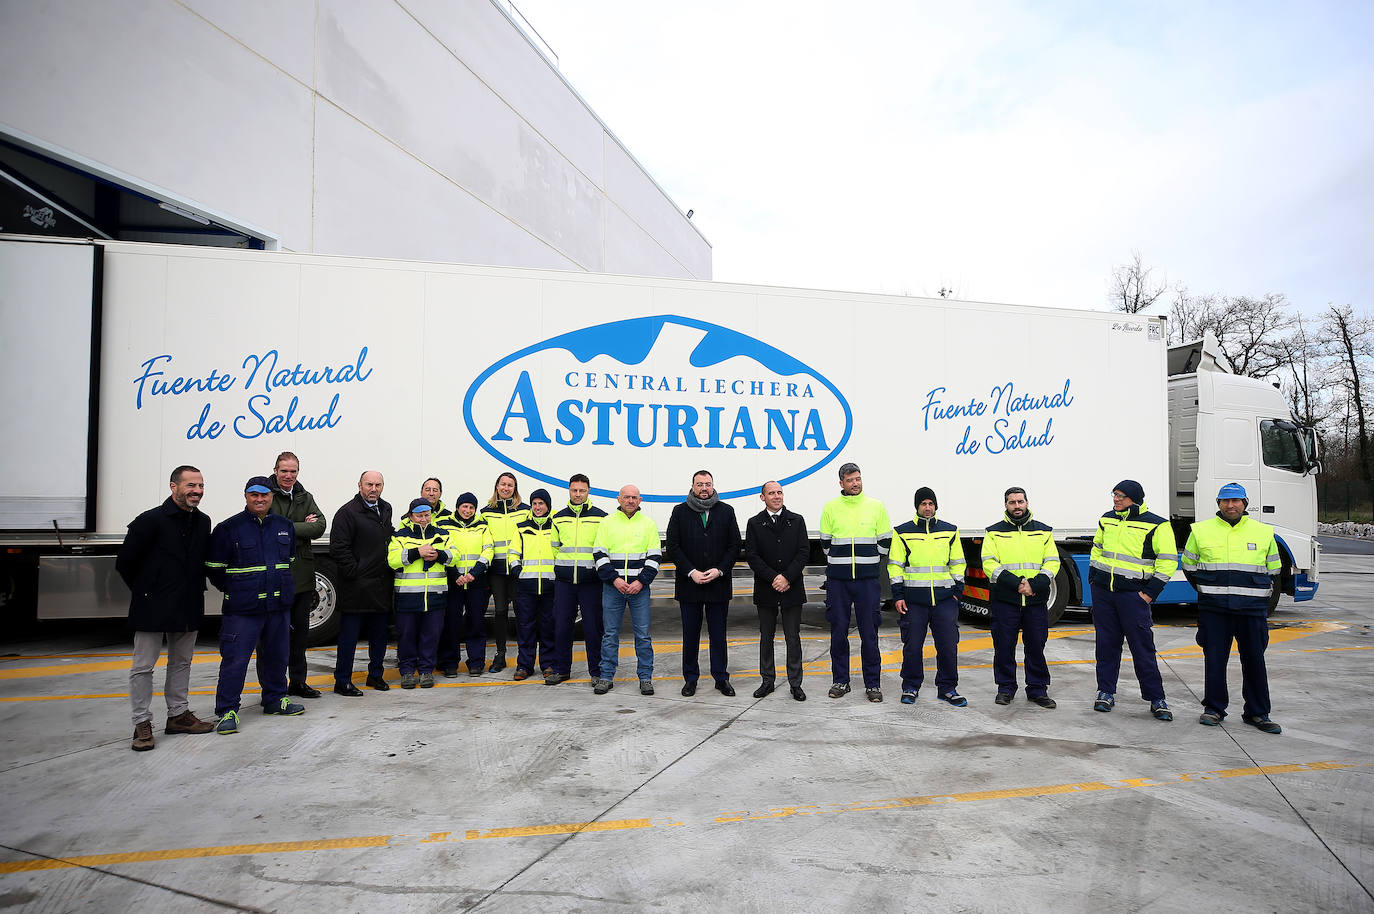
x=1011 y=152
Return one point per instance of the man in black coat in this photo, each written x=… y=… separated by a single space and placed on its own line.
x=776 y=547
x=362 y=532
x=162 y=559
x=703 y=543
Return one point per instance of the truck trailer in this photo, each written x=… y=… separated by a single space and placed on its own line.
x=122 y=360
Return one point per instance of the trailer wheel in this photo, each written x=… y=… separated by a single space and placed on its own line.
x=1059 y=593
x=324 y=611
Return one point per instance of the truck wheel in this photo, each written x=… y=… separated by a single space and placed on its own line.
x=1275 y=593
x=1059 y=593
x=324 y=611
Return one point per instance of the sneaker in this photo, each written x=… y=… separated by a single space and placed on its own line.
x=426 y=680
x=1209 y=718
x=1105 y=701
x=839 y=690
x=521 y=674
x=955 y=699
x=143 y=736
x=555 y=678
x=285 y=707
x=229 y=723
x=1003 y=698
x=498 y=663
x=1160 y=709
x=408 y=680
x=908 y=698
x=187 y=722
x=646 y=687
x=602 y=686
x=1043 y=701
x=1262 y=723
x=873 y=694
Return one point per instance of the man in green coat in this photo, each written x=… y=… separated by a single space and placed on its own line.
x=293 y=502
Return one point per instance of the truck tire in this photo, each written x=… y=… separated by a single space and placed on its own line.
x=1275 y=594
x=324 y=611
x=1060 y=588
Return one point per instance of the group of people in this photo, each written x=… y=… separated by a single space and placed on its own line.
x=440 y=567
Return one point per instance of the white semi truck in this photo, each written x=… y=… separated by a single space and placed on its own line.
x=122 y=360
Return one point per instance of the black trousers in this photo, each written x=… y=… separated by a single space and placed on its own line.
x=502 y=595
x=299 y=614
x=791 y=631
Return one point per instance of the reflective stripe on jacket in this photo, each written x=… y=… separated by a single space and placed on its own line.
x=627 y=547
x=1013 y=551
x=470 y=542
x=1232 y=567
x=418 y=579
x=1133 y=550
x=926 y=563
x=855 y=535
x=250 y=561
x=532 y=554
x=502 y=518
x=577 y=526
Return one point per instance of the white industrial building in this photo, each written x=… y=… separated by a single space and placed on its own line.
x=416 y=129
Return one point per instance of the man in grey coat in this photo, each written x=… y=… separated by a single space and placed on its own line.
x=162 y=559
x=293 y=502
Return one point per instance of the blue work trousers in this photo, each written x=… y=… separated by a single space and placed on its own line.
x=534 y=629
x=568 y=598
x=1215 y=631
x=1033 y=624
x=858 y=600
x=239 y=633
x=613 y=607
x=1125 y=615
x=692 y=615
x=351 y=625
x=942 y=621
x=417 y=639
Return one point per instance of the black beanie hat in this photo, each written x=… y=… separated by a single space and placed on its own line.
x=925 y=492
x=1132 y=490
x=542 y=495
x=467 y=498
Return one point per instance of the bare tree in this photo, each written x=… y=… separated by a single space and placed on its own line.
x=1250 y=331
x=1308 y=387
x=1352 y=337
x=1133 y=289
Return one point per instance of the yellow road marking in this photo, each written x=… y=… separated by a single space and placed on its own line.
x=733 y=817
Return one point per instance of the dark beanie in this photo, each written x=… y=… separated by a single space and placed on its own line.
x=542 y=495
x=467 y=498
x=925 y=492
x=1132 y=490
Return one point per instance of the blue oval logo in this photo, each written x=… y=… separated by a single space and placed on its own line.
x=678 y=391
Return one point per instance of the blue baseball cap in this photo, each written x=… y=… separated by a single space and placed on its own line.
x=259 y=484
x=420 y=505
x=1233 y=490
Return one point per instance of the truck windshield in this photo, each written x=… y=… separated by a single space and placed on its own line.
x=1280 y=445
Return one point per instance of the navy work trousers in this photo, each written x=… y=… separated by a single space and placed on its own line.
x=534 y=629
x=568 y=598
x=1033 y=624
x=351 y=625
x=1125 y=615
x=692 y=615
x=1215 y=631
x=239 y=633
x=417 y=640
x=859 y=600
x=942 y=621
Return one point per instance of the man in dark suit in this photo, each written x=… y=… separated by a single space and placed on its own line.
x=776 y=548
x=703 y=543
x=162 y=559
x=362 y=533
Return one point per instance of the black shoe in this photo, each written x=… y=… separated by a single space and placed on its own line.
x=498 y=663
x=303 y=690
x=475 y=670
x=1263 y=724
x=646 y=687
x=798 y=694
x=689 y=689
x=347 y=688
x=450 y=672
x=1043 y=701
x=376 y=682
x=764 y=690
x=725 y=689
x=1004 y=698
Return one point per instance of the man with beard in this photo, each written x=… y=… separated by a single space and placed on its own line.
x=703 y=542
x=1020 y=560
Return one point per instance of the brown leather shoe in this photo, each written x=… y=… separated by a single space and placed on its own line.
x=143 y=736
x=187 y=722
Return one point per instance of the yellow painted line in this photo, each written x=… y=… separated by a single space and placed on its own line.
x=733 y=817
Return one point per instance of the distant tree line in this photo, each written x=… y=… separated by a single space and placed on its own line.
x=1322 y=362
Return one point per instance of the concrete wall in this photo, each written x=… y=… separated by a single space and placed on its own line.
x=423 y=129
